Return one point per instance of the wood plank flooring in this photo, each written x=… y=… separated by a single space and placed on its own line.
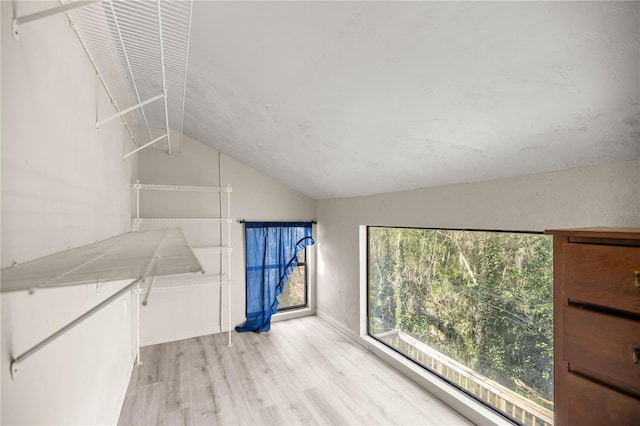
x=302 y=372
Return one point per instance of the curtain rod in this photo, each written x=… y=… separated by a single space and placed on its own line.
x=312 y=221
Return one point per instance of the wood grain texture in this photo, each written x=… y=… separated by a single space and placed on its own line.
x=302 y=372
x=589 y=403
x=598 y=233
x=594 y=271
x=600 y=346
x=602 y=275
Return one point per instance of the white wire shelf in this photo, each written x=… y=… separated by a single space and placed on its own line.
x=133 y=255
x=180 y=188
x=126 y=256
x=178 y=220
x=140 y=52
x=188 y=283
x=212 y=249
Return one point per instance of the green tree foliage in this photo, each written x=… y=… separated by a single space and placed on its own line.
x=482 y=298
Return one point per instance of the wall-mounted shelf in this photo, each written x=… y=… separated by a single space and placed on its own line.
x=212 y=249
x=136 y=256
x=181 y=188
x=140 y=52
x=178 y=221
x=223 y=279
x=174 y=285
x=127 y=256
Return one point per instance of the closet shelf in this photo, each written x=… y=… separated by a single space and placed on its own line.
x=212 y=249
x=135 y=256
x=178 y=284
x=179 y=220
x=222 y=250
x=127 y=256
x=140 y=53
x=180 y=188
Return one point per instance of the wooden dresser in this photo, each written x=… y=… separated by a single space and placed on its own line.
x=596 y=326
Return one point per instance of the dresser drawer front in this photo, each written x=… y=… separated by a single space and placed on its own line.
x=602 y=346
x=592 y=404
x=602 y=275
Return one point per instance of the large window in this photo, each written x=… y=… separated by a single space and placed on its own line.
x=474 y=307
x=294 y=295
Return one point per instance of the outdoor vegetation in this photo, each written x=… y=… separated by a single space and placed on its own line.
x=294 y=293
x=481 y=298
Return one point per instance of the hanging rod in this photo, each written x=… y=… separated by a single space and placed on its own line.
x=17 y=21
x=17 y=360
x=134 y=256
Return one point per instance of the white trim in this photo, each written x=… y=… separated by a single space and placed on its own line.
x=310 y=309
x=341 y=328
x=362 y=247
x=293 y=314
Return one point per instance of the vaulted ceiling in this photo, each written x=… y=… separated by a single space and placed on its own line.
x=339 y=99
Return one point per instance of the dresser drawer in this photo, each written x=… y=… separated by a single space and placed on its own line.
x=592 y=404
x=602 y=346
x=602 y=275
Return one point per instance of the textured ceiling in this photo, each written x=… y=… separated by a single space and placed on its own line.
x=338 y=99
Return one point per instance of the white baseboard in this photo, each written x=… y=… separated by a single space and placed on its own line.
x=293 y=314
x=341 y=328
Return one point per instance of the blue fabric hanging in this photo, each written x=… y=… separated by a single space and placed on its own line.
x=271 y=256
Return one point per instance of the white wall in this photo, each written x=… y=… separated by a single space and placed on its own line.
x=64 y=184
x=195 y=312
x=604 y=195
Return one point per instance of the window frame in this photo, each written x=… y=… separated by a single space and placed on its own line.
x=457 y=397
x=305 y=305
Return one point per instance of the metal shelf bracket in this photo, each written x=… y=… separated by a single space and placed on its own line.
x=17 y=21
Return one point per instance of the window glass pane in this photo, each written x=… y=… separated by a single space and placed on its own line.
x=474 y=307
x=295 y=290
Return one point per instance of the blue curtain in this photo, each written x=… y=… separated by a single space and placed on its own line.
x=271 y=250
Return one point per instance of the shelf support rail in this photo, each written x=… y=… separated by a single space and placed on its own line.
x=150 y=267
x=184 y=83
x=129 y=68
x=100 y=78
x=131 y=108
x=164 y=78
x=17 y=21
x=229 y=266
x=166 y=135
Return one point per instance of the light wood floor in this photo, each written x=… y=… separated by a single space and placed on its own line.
x=302 y=372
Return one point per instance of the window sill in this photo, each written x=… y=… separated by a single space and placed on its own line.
x=292 y=314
